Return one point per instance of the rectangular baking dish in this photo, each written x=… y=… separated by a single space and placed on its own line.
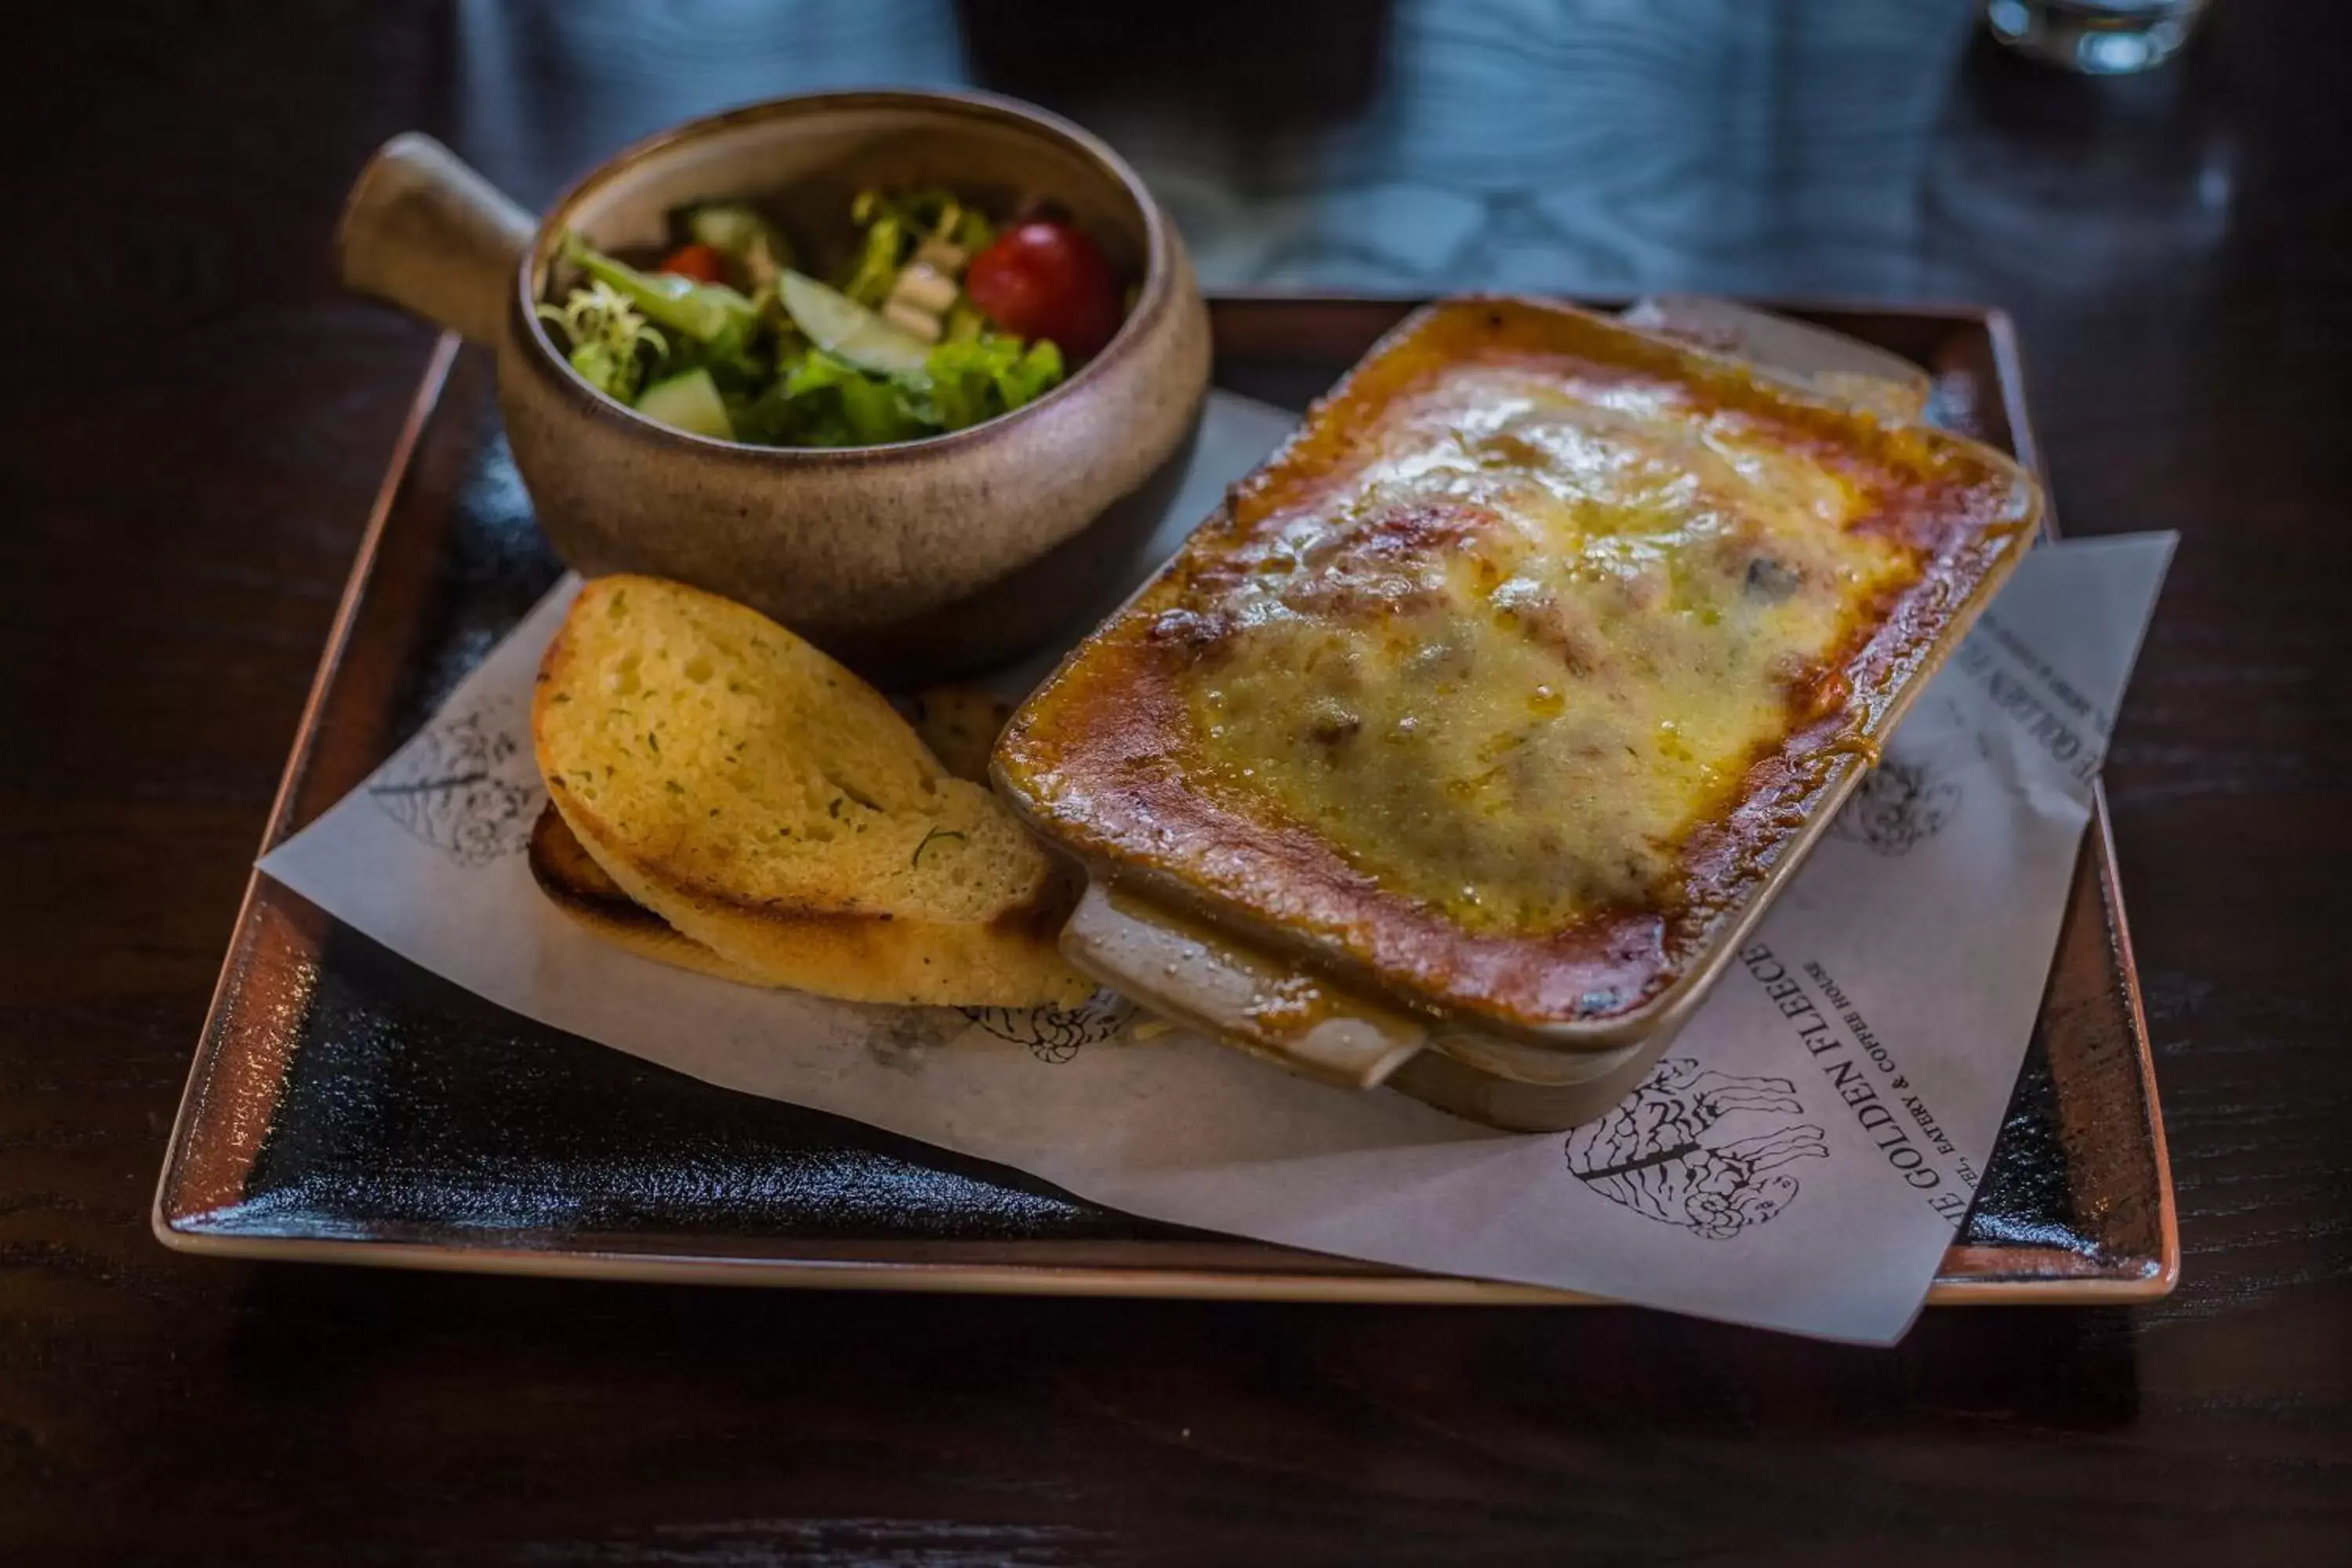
x=1167 y=920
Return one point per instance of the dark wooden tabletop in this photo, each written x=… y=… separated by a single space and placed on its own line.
x=195 y=420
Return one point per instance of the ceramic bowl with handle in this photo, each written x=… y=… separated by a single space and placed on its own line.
x=909 y=560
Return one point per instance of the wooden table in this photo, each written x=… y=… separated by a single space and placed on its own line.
x=193 y=422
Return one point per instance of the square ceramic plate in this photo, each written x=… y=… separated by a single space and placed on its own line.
x=347 y=1106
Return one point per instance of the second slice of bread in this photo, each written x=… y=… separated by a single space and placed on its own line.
x=575 y=884
x=773 y=808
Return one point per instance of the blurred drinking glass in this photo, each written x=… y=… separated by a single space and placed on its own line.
x=2098 y=37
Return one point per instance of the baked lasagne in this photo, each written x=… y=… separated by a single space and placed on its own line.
x=1520 y=666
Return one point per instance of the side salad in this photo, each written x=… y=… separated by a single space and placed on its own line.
x=937 y=321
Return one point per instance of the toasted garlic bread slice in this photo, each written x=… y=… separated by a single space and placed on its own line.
x=773 y=807
x=575 y=884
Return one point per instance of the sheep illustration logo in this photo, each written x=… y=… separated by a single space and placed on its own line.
x=1914 y=791
x=467 y=786
x=1897 y=806
x=1654 y=1155
x=1053 y=1035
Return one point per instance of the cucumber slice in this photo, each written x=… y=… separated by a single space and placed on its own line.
x=847 y=330
x=690 y=403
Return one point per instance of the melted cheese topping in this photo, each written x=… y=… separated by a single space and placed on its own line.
x=1508 y=664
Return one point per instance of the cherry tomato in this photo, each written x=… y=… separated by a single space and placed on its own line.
x=700 y=262
x=1044 y=279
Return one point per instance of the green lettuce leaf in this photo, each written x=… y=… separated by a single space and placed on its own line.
x=821 y=401
x=870 y=277
x=980 y=378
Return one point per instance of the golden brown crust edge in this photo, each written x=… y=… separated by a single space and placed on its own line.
x=1009 y=962
x=575 y=884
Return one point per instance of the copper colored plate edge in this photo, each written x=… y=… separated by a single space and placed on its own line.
x=1999 y=1285
x=2117 y=924
x=216 y=1159
x=2099 y=842
x=195 y=1168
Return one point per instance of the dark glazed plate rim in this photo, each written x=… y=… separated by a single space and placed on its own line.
x=2103 y=1091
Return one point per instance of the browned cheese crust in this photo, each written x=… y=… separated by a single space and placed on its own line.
x=1514 y=672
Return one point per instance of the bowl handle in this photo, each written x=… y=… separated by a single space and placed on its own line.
x=423 y=230
x=1204 y=979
